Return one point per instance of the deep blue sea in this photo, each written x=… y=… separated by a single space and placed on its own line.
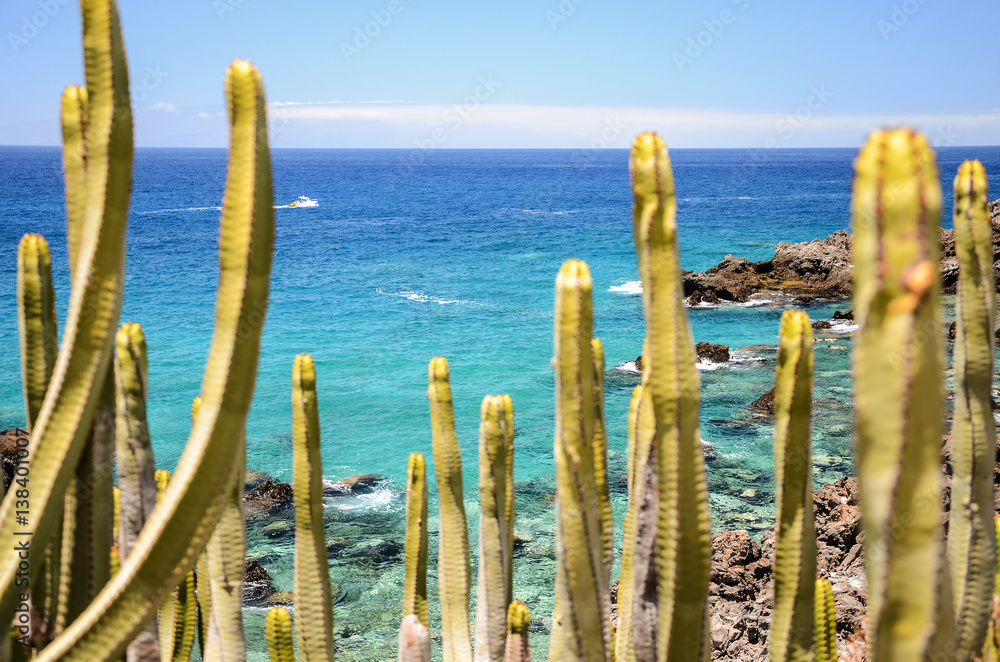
x=456 y=257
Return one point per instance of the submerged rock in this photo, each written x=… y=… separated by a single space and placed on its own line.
x=256 y=582
x=821 y=325
x=764 y=404
x=356 y=484
x=269 y=494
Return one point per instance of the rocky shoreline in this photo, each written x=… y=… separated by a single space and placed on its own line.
x=809 y=270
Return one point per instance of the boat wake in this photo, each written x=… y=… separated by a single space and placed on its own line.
x=418 y=296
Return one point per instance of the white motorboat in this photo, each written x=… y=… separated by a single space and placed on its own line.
x=303 y=201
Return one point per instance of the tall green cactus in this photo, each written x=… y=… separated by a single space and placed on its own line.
x=180 y=525
x=510 y=507
x=898 y=361
x=278 y=632
x=971 y=539
x=669 y=373
x=74 y=118
x=824 y=622
x=313 y=601
x=136 y=495
x=415 y=584
x=492 y=597
x=64 y=421
x=791 y=636
x=518 y=620
x=453 y=539
x=582 y=632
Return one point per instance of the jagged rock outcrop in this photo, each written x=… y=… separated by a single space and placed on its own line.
x=713 y=352
x=764 y=404
x=819 y=268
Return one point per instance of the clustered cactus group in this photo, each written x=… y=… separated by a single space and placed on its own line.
x=145 y=568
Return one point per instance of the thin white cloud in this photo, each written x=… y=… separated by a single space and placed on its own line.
x=205 y=116
x=165 y=107
x=482 y=124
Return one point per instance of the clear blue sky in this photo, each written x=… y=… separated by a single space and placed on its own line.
x=514 y=73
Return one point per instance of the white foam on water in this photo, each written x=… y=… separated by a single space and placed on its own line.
x=631 y=287
x=417 y=296
x=169 y=211
x=381 y=499
x=628 y=367
x=753 y=303
x=705 y=364
x=843 y=327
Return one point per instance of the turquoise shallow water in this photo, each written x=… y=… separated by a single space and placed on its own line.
x=458 y=258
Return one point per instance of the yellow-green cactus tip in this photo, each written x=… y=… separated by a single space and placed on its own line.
x=574 y=274
x=973 y=172
x=242 y=69
x=437 y=369
x=130 y=333
x=305 y=369
x=795 y=322
x=195 y=407
x=35 y=243
x=518 y=618
x=649 y=165
x=416 y=463
x=162 y=478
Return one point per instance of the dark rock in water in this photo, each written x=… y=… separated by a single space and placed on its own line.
x=703 y=296
x=9 y=445
x=952 y=331
x=765 y=403
x=846 y=315
x=804 y=300
x=713 y=352
x=256 y=582
x=386 y=551
x=253 y=479
x=638 y=363
x=356 y=484
x=335 y=547
x=268 y=495
x=821 y=325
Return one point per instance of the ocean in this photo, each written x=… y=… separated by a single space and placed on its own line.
x=411 y=255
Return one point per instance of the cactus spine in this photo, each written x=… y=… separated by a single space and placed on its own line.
x=453 y=540
x=278 y=632
x=518 y=619
x=415 y=584
x=669 y=373
x=824 y=622
x=492 y=598
x=898 y=361
x=582 y=596
x=795 y=536
x=414 y=641
x=971 y=537
x=314 y=604
x=179 y=526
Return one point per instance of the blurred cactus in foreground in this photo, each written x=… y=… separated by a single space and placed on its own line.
x=825 y=622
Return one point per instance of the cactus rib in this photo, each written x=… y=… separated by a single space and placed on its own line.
x=971 y=538
x=36 y=314
x=453 y=540
x=670 y=375
x=415 y=583
x=491 y=599
x=313 y=601
x=581 y=593
x=278 y=631
x=795 y=538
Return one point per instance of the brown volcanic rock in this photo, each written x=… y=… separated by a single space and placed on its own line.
x=713 y=352
x=269 y=494
x=741 y=585
x=818 y=268
x=8 y=451
x=764 y=404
